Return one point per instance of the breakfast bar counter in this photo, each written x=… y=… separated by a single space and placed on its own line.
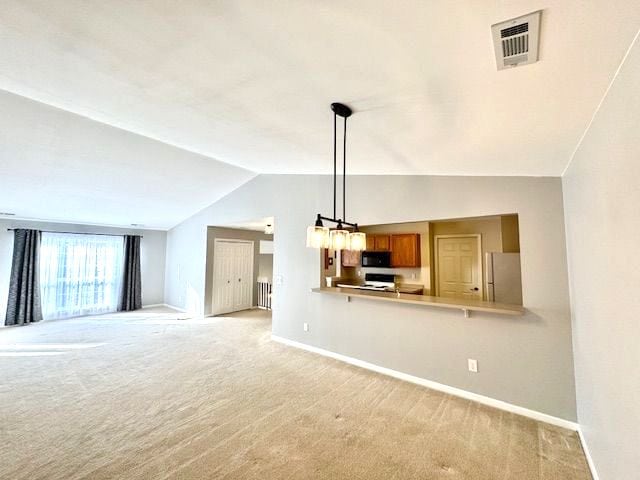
x=466 y=306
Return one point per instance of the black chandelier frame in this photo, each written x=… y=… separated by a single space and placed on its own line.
x=339 y=110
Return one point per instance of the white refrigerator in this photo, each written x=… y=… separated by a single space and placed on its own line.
x=503 y=280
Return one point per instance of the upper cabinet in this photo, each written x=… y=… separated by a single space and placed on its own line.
x=378 y=243
x=404 y=247
x=405 y=250
x=381 y=243
x=371 y=242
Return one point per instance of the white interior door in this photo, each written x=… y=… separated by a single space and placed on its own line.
x=232 y=276
x=243 y=269
x=459 y=267
x=222 y=274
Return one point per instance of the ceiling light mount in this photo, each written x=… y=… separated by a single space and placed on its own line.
x=341 y=110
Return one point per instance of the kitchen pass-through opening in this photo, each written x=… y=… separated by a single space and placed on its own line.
x=464 y=258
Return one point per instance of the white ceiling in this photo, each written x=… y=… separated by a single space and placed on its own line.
x=55 y=165
x=249 y=83
x=256 y=225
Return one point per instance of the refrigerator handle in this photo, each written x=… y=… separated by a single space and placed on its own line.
x=489 y=277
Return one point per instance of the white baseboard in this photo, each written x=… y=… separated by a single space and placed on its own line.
x=587 y=454
x=492 y=402
x=166 y=305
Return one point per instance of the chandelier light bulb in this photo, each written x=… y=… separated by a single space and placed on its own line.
x=317 y=237
x=357 y=241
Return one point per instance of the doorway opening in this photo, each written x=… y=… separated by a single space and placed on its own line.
x=239 y=266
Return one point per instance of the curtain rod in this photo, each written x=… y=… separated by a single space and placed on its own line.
x=79 y=233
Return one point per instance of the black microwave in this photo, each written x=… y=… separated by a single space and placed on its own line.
x=376 y=259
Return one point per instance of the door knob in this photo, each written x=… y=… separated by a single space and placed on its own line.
x=239 y=279
x=475 y=289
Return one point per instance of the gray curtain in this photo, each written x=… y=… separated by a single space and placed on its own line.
x=131 y=296
x=23 y=305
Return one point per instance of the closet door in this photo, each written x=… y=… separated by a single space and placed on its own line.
x=223 y=278
x=243 y=290
x=232 y=276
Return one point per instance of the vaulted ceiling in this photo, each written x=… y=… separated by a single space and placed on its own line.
x=249 y=83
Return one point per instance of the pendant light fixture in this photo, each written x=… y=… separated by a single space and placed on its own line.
x=338 y=238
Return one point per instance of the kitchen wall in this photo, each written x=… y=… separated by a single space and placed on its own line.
x=235 y=234
x=414 y=276
x=152 y=256
x=601 y=197
x=525 y=361
x=510 y=233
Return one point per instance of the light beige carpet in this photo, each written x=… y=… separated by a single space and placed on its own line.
x=148 y=396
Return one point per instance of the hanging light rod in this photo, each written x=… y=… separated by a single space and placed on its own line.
x=336 y=220
x=319 y=236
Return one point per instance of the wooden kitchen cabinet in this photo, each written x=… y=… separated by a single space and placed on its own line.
x=381 y=243
x=378 y=243
x=405 y=250
x=350 y=258
x=370 y=242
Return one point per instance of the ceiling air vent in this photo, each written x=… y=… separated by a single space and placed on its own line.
x=516 y=41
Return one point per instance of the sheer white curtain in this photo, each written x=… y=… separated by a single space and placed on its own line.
x=80 y=274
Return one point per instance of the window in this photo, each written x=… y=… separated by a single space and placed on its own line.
x=80 y=274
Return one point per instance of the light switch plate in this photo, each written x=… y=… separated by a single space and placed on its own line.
x=473 y=365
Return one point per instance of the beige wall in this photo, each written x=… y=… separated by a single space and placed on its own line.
x=235 y=234
x=510 y=234
x=601 y=198
x=525 y=361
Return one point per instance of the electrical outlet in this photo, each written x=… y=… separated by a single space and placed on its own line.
x=305 y=326
x=279 y=280
x=473 y=365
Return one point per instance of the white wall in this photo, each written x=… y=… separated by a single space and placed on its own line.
x=524 y=360
x=602 y=199
x=152 y=256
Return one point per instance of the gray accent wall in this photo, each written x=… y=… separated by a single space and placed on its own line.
x=152 y=255
x=602 y=201
x=526 y=361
